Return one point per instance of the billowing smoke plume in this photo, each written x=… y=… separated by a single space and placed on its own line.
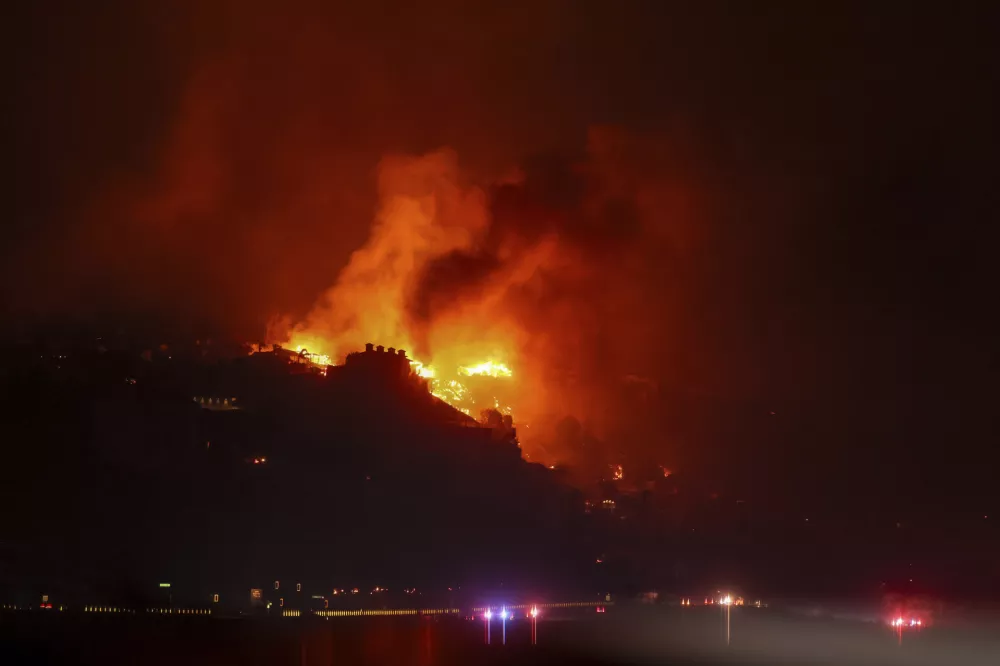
x=552 y=273
x=423 y=214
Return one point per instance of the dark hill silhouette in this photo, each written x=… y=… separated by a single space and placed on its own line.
x=227 y=475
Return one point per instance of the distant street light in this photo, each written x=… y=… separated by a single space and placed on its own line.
x=727 y=601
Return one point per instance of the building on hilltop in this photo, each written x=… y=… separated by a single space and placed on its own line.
x=389 y=364
x=390 y=371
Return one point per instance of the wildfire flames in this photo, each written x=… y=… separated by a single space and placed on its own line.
x=489 y=369
x=389 y=294
x=446 y=386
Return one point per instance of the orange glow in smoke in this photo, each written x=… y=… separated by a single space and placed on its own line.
x=465 y=347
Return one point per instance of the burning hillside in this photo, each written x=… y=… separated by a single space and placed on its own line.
x=451 y=385
x=516 y=295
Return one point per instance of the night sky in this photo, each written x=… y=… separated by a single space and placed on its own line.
x=816 y=226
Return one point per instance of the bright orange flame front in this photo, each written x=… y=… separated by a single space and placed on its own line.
x=448 y=386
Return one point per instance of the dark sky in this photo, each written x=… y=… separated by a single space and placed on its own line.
x=212 y=164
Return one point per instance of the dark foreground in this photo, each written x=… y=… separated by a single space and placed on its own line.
x=621 y=636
